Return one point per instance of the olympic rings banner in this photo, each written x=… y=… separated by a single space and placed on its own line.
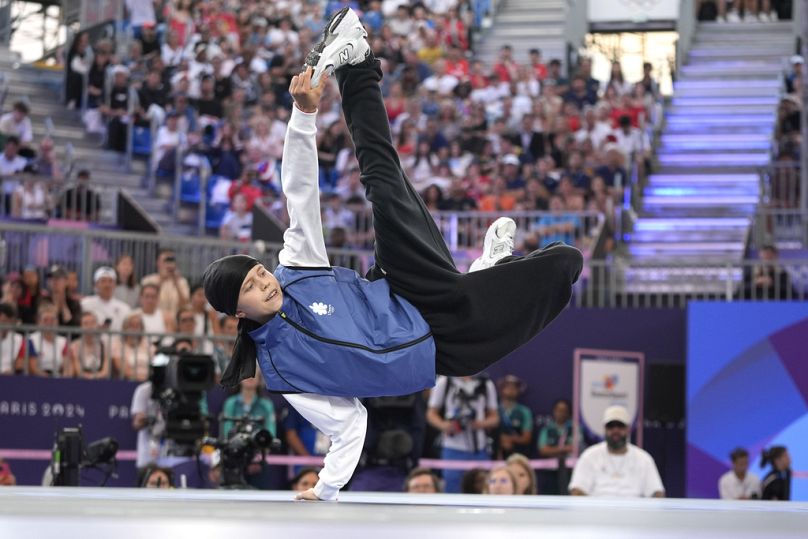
x=601 y=379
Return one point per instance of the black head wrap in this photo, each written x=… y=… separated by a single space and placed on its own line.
x=222 y=282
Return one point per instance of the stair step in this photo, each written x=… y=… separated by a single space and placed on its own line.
x=722 y=101
x=738 y=29
x=638 y=237
x=711 y=138
x=718 y=71
x=529 y=16
x=721 y=120
x=716 y=109
x=698 y=179
x=712 y=50
x=717 y=145
x=645 y=224
x=530 y=33
x=715 y=159
x=687 y=247
x=700 y=200
x=705 y=190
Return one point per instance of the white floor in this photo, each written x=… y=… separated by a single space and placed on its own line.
x=86 y=513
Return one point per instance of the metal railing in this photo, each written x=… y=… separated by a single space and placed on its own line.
x=787 y=229
x=83 y=250
x=686 y=28
x=120 y=354
x=620 y=284
x=38 y=198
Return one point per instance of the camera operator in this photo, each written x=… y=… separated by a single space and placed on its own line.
x=462 y=409
x=248 y=403
x=149 y=424
x=174 y=289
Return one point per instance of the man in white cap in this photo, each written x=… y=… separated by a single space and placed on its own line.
x=615 y=467
x=109 y=310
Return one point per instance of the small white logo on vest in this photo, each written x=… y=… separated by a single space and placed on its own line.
x=321 y=308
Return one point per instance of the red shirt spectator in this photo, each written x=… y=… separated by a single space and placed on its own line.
x=539 y=68
x=454 y=31
x=245 y=187
x=506 y=67
x=458 y=68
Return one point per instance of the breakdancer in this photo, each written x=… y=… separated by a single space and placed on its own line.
x=325 y=336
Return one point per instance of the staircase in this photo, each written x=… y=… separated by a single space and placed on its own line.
x=699 y=202
x=524 y=25
x=41 y=89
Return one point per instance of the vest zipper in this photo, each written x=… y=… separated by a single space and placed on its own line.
x=313 y=335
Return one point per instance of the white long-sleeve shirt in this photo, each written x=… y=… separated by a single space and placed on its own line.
x=343 y=420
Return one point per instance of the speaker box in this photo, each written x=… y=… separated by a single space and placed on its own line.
x=665 y=392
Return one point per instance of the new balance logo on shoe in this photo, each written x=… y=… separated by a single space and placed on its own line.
x=344 y=54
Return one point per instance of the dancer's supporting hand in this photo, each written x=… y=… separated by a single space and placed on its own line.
x=308 y=495
x=306 y=97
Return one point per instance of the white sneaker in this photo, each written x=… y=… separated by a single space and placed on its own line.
x=763 y=16
x=732 y=16
x=343 y=43
x=498 y=244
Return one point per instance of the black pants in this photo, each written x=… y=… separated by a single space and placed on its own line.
x=476 y=318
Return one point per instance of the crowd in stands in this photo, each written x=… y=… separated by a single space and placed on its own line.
x=518 y=135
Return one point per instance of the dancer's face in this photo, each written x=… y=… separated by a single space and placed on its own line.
x=260 y=297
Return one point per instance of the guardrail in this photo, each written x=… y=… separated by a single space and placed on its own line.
x=84 y=250
x=784 y=228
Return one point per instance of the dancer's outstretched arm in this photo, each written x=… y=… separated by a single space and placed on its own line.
x=343 y=420
x=303 y=243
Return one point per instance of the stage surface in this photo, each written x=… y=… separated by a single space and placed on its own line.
x=64 y=513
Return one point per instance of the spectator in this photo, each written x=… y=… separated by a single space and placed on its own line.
x=247 y=187
x=50 y=353
x=649 y=83
x=155 y=477
x=739 y=483
x=557 y=226
x=131 y=354
x=613 y=171
x=72 y=285
x=615 y=467
x=17 y=124
x=474 y=481
x=47 y=163
x=127 y=289
x=30 y=201
x=68 y=310
x=618 y=81
x=462 y=409
x=422 y=481
x=237 y=223
x=96 y=82
x=7 y=478
x=167 y=142
x=776 y=484
x=10 y=161
x=205 y=316
x=141 y=13
x=305 y=479
x=575 y=170
x=174 y=289
x=580 y=95
x=500 y=481
x=152 y=99
x=515 y=420
x=186 y=325
x=522 y=472
x=632 y=142
x=767 y=279
x=12 y=353
x=555 y=441
x=28 y=302
x=108 y=310
x=78 y=62
x=148 y=422
x=539 y=69
x=81 y=202
x=249 y=403
x=593 y=129
x=223 y=346
x=90 y=355
x=506 y=67
x=555 y=78
x=529 y=139
x=155 y=320
x=401 y=25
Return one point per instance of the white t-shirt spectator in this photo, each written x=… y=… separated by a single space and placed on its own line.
x=732 y=488
x=148 y=446
x=114 y=309
x=600 y=473
x=238 y=227
x=444 y=85
x=401 y=27
x=455 y=407
x=50 y=354
x=21 y=130
x=140 y=12
x=10 y=349
x=277 y=38
x=597 y=135
x=9 y=167
x=165 y=140
x=633 y=143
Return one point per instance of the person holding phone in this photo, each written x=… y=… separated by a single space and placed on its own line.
x=174 y=289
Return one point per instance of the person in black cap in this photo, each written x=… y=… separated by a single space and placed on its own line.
x=323 y=335
x=68 y=309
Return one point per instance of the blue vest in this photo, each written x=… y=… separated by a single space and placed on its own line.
x=340 y=335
